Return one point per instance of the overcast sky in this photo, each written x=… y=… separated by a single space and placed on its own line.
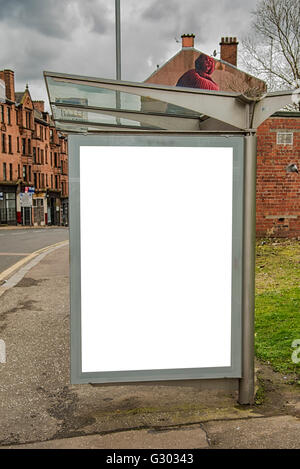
x=78 y=36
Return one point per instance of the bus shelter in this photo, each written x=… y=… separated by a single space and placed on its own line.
x=162 y=230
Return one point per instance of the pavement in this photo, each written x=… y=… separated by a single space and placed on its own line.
x=40 y=408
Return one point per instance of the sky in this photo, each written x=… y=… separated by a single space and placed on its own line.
x=78 y=36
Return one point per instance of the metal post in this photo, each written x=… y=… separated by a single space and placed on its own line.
x=246 y=389
x=118 y=39
x=118 y=54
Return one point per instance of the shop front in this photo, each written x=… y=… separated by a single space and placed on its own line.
x=8 y=206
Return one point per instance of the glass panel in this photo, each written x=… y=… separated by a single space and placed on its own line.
x=11 y=203
x=81 y=116
x=89 y=95
x=11 y=214
x=72 y=91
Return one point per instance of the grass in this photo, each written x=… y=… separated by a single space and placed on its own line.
x=277 y=303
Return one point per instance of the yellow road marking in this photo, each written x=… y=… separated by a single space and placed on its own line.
x=6 y=273
x=14 y=253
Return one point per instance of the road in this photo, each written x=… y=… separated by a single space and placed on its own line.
x=15 y=244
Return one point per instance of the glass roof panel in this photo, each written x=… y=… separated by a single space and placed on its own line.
x=74 y=113
x=76 y=92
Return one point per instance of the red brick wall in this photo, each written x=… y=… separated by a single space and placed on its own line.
x=277 y=191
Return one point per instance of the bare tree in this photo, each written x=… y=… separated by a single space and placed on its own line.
x=272 y=50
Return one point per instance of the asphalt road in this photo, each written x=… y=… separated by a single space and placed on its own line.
x=15 y=244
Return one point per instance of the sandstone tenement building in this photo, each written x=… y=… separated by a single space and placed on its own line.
x=33 y=161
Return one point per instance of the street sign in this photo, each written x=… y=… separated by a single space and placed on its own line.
x=25 y=199
x=156 y=286
x=29 y=189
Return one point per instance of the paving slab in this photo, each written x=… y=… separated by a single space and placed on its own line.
x=282 y=432
x=180 y=438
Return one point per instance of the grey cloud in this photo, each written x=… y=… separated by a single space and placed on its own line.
x=206 y=19
x=54 y=18
x=162 y=10
x=96 y=15
x=31 y=34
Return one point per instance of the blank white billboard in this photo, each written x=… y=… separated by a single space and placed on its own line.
x=156 y=257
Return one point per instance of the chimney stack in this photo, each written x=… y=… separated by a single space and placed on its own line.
x=229 y=50
x=188 y=40
x=9 y=78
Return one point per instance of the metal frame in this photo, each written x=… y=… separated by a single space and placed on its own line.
x=234 y=109
x=234 y=371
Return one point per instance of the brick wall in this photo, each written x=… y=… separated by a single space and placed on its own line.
x=278 y=191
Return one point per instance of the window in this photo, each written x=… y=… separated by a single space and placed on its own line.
x=28 y=118
x=35 y=180
x=39 y=179
x=2 y=114
x=34 y=155
x=25 y=173
x=46 y=156
x=19 y=171
x=55 y=160
x=29 y=146
x=43 y=180
x=8 y=115
x=52 y=181
x=4 y=171
x=10 y=171
x=3 y=143
x=47 y=180
x=18 y=144
x=38 y=156
x=42 y=156
x=51 y=157
x=56 y=182
x=23 y=146
x=17 y=117
x=9 y=144
x=29 y=173
x=285 y=138
x=38 y=202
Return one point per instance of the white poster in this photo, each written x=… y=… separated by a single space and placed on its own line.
x=156 y=255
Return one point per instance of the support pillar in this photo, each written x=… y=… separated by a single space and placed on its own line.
x=246 y=388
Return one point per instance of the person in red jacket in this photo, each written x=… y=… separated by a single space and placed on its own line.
x=200 y=77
